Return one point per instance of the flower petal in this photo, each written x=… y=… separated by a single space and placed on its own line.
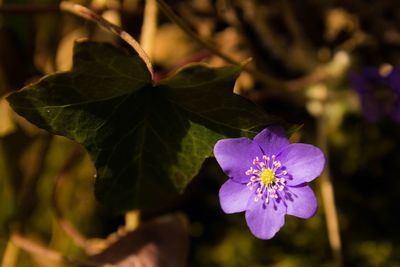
x=235 y=156
x=301 y=201
x=272 y=140
x=265 y=220
x=234 y=196
x=303 y=162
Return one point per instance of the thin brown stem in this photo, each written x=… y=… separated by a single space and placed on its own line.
x=319 y=75
x=327 y=192
x=90 y=15
x=35 y=248
x=304 y=55
x=149 y=26
x=39 y=250
x=292 y=23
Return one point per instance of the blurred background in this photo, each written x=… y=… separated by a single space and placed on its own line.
x=303 y=53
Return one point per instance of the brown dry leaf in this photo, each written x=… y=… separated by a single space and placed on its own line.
x=162 y=242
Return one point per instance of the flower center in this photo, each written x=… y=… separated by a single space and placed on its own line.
x=267 y=177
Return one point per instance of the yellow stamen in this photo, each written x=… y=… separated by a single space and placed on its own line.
x=267 y=176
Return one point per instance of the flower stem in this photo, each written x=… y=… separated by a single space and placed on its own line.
x=327 y=192
x=149 y=26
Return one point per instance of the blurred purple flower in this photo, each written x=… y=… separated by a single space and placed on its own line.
x=379 y=94
x=268 y=179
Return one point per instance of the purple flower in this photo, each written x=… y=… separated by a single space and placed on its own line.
x=268 y=179
x=379 y=94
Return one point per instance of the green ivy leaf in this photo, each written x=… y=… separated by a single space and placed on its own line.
x=146 y=140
